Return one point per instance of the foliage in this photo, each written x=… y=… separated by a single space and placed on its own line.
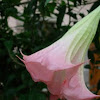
x=38 y=32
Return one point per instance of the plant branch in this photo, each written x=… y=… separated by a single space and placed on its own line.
x=22 y=3
x=69 y=11
x=87 y=3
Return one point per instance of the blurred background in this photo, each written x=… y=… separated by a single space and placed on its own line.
x=31 y=25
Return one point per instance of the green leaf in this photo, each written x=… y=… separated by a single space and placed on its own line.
x=26 y=79
x=12 y=1
x=10 y=93
x=8 y=44
x=23 y=97
x=60 y=16
x=51 y=7
x=20 y=87
x=47 y=1
x=10 y=78
x=34 y=94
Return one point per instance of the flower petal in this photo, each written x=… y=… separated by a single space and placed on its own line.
x=75 y=89
x=39 y=72
x=60 y=77
x=58 y=65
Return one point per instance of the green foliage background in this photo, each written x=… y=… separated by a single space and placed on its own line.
x=15 y=81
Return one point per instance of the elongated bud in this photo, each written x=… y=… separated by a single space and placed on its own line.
x=80 y=36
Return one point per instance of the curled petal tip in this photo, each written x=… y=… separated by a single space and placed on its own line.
x=21 y=52
x=98 y=96
x=20 y=59
x=87 y=61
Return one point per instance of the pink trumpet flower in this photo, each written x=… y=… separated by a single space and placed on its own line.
x=60 y=65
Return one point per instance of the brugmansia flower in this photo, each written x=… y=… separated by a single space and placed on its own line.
x=59 y=65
